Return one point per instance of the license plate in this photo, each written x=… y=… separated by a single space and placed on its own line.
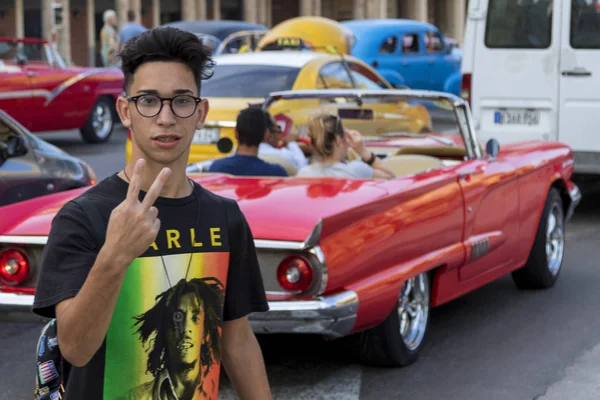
x=516 y=117
x=206 y=136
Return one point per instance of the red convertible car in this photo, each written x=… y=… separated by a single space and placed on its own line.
x=372 y=257
x=40 y=91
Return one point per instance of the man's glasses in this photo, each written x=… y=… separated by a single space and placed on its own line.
x=150 y=105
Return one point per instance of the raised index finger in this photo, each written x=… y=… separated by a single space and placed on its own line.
x=133 y=192
x=156 y=188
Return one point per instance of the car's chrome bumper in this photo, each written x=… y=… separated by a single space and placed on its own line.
x=575 y=195
x=10 y=302
x=329 y=315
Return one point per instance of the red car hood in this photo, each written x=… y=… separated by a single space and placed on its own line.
x=276 y=208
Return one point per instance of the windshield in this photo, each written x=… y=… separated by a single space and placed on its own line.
x=249 y=80
x=34 y=53
x=388 y=124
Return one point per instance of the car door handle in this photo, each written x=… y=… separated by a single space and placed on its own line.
x=577 y=72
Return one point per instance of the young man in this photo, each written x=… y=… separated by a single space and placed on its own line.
x=153 y=311
x=251 y=129
x=291 y=151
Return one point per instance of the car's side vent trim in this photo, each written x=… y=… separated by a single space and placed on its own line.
x=480 y=248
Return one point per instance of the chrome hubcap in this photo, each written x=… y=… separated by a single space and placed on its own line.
x=413 y=309
x=101 y=120
x=555 y=238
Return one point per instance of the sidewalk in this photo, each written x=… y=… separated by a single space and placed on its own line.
x=581 y=380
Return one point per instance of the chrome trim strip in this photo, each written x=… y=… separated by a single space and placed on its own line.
x=16 y=302
x=70 y=82
x=311 y=241
x=23 y=94
x=330 y=315
x=41 y=240
x=219 y=124
x=575 y=195
x=318 y=253
x=258 y=243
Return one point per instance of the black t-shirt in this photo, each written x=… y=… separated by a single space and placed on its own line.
x=201 y=270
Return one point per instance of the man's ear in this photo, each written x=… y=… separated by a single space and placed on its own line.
x=124 y=111
x=203 y=108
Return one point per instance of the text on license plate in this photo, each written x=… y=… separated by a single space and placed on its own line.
x=206 y=136
x=516 y=117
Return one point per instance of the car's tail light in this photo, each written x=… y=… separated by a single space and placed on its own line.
x=295 y=274
x=465 y=88
x=14 y=267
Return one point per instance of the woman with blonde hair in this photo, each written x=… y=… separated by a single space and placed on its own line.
x=330 y=143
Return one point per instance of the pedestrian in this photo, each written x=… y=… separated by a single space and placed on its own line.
x=109 y=40
x=130 y=29
x=155 y=309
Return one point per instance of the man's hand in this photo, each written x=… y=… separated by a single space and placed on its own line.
x=134 y=225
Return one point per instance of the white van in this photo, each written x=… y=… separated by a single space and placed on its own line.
x=531 y=70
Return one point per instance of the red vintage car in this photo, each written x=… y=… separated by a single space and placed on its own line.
x=40 y=91
x=343 y=256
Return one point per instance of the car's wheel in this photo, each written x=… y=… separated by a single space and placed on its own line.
x=398 y=340
x=100 y=123
x=545 y=260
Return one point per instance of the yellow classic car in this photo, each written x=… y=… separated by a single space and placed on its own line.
x=241 y=80
x=317 y=33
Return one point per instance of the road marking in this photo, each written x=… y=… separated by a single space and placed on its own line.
x=308 y=382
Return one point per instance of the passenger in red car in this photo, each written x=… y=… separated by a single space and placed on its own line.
x=331 y=142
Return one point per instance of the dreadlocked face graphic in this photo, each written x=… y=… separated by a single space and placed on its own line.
x=186 y=321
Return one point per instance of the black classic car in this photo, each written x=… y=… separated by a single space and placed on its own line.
x=31 y=167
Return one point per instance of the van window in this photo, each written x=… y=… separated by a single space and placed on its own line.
x=519 y=24
x=585 y=26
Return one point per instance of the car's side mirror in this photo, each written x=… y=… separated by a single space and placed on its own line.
x=492 y=148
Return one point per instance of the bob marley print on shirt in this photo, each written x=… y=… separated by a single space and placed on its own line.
x=166 y=342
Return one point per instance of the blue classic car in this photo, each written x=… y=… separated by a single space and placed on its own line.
x=408 y=52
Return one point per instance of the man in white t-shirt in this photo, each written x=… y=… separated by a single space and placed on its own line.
x=291 y=151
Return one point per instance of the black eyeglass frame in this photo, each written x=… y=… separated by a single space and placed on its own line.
x=135 y=99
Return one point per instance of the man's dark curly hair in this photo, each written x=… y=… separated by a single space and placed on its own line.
x=166 y=44
x=210 y=294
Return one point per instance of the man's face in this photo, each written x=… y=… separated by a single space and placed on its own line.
x=274 y=134
x=164 y=138
x=185 y=335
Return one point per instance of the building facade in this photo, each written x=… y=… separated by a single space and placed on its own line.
x=78 y=36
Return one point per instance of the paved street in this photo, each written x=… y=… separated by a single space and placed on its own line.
x=495 y=343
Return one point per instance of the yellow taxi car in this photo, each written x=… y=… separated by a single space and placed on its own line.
x=319 y=34
x=240 y=80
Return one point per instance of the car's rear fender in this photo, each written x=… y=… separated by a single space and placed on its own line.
x=373 y=249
